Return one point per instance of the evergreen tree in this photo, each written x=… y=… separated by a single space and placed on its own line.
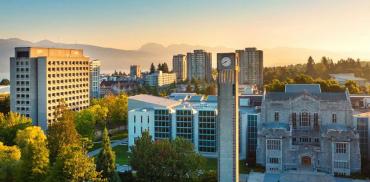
x=165 y=68
x=35 y=155
x=310 y=70
x=160 y=67
x=106 y=162
x=152 y=68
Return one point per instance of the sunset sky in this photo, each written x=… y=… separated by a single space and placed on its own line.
x=337 y=25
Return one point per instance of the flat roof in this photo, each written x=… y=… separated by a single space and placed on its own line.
x=161 y=101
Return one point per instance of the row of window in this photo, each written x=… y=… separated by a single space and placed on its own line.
x=68 y=69
x=22 y=69
x=68 y=87
x=22 y=76
x=65 y=81
x=21 y=62
x=304 y=118
x=22 y=83
x=70 y=93
x=68 y=62
x=67 y=75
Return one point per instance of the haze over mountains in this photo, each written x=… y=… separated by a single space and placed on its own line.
x=120 y=59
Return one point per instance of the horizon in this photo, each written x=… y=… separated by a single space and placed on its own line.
x=129 y=25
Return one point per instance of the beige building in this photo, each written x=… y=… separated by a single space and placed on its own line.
x=42 y=78
x=199 y=65
x=159 y=79
x=135 y=71
x=251 y=67
x=179 y=67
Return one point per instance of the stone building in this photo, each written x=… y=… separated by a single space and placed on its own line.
x=304 y=129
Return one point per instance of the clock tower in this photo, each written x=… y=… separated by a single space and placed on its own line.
x=228 y=120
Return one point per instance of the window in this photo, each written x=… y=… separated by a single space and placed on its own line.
x=334 y=118
x=273 y=160
x=276 y=116
x=294 y=120
x=316 y=120
x=305 y=119
x=273 y=144
x=341 y=164
x=341 y=148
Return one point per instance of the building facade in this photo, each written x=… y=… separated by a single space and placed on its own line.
x=160 y=79
x=95 y=79
x=193 y=120
x=199 y=65
x=228 y=119
x=135 y=71
x=179 y=67
x=362 y=122
x=251 y=67
x=43 y=78
x=304 y=129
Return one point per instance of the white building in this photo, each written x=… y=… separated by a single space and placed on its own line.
x=41 y=78
x=159 y=79
x=342 y=78
x=95 y=79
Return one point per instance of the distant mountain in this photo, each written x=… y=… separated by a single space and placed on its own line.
x=119 y=59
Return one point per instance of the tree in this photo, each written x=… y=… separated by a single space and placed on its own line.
x=106 y=161
x=5 y=104
x=62 y=132
x=117 y=109
x=4 y=82
x=352 y=87
x=73 y=164
x=165 y=68
x=188 y=88
x=87 y=120
x=9 y=159
x=275 y=86
x=35 y=155
x=165 y=160
x=152 y=68
x=310 y=70
x=159 y=67
x=10 y=124
x=210 y=90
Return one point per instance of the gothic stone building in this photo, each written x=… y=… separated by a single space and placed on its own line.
x=303 y=128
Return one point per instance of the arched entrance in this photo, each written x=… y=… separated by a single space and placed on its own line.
x=306 y=161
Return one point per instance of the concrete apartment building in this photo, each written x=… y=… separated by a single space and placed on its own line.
x=362 y=123
x=95 y=79
x=199 y=65
x=304 y=129
x=41 y=78
x=179 y=67
x=160 y=79
x=135 y=71
x=251 y=67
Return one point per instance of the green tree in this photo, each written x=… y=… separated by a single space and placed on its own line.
x=188 y=88
x=210 y=90
x=62 y=132
x=352 y=87
x=275 y=86
x=4 y=82
x=164 y=160
x=35 y=155
x=5 y=104
x=165 y=68
x=9 y=159
x=73 y=165
x=117 y=109
x=106 y=161
x=152 y=68
x=10 y=124
x=87 y=120
x=310 y=70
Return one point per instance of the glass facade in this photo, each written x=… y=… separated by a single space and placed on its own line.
x=362 y=127
x=162 y=124
x=184 y=124
x=207 y=131
x=252 y=135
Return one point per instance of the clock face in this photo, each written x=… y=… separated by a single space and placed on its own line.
x=226 y=61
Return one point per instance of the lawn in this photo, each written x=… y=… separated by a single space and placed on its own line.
x=120 y=135
x=212 y=165
x=121 y=154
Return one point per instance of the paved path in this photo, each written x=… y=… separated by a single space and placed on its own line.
x=113 y=144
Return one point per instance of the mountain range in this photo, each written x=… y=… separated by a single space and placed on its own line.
x=120 y=59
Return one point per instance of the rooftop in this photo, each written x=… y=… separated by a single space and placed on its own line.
x=161 y=101
x=347 y=76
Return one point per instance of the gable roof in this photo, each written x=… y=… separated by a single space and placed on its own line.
x=300 y=88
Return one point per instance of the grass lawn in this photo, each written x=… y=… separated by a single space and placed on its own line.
x=121 y=154
x=212 y=165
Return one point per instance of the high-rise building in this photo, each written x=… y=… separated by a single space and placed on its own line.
x=228 y=120
x=159 y=79
x=199 y=65
x=43 y=78
x=251 y=67
x=95 y=79
x=135 y=71
x=179 y=67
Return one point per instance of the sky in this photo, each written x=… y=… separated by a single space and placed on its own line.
x=335 y=25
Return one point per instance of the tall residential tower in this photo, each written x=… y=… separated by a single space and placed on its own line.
x=43 y=78
x=199 y=64
x=251 y=67
x=95 y=79
x=228 y=120
x=179 y=67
